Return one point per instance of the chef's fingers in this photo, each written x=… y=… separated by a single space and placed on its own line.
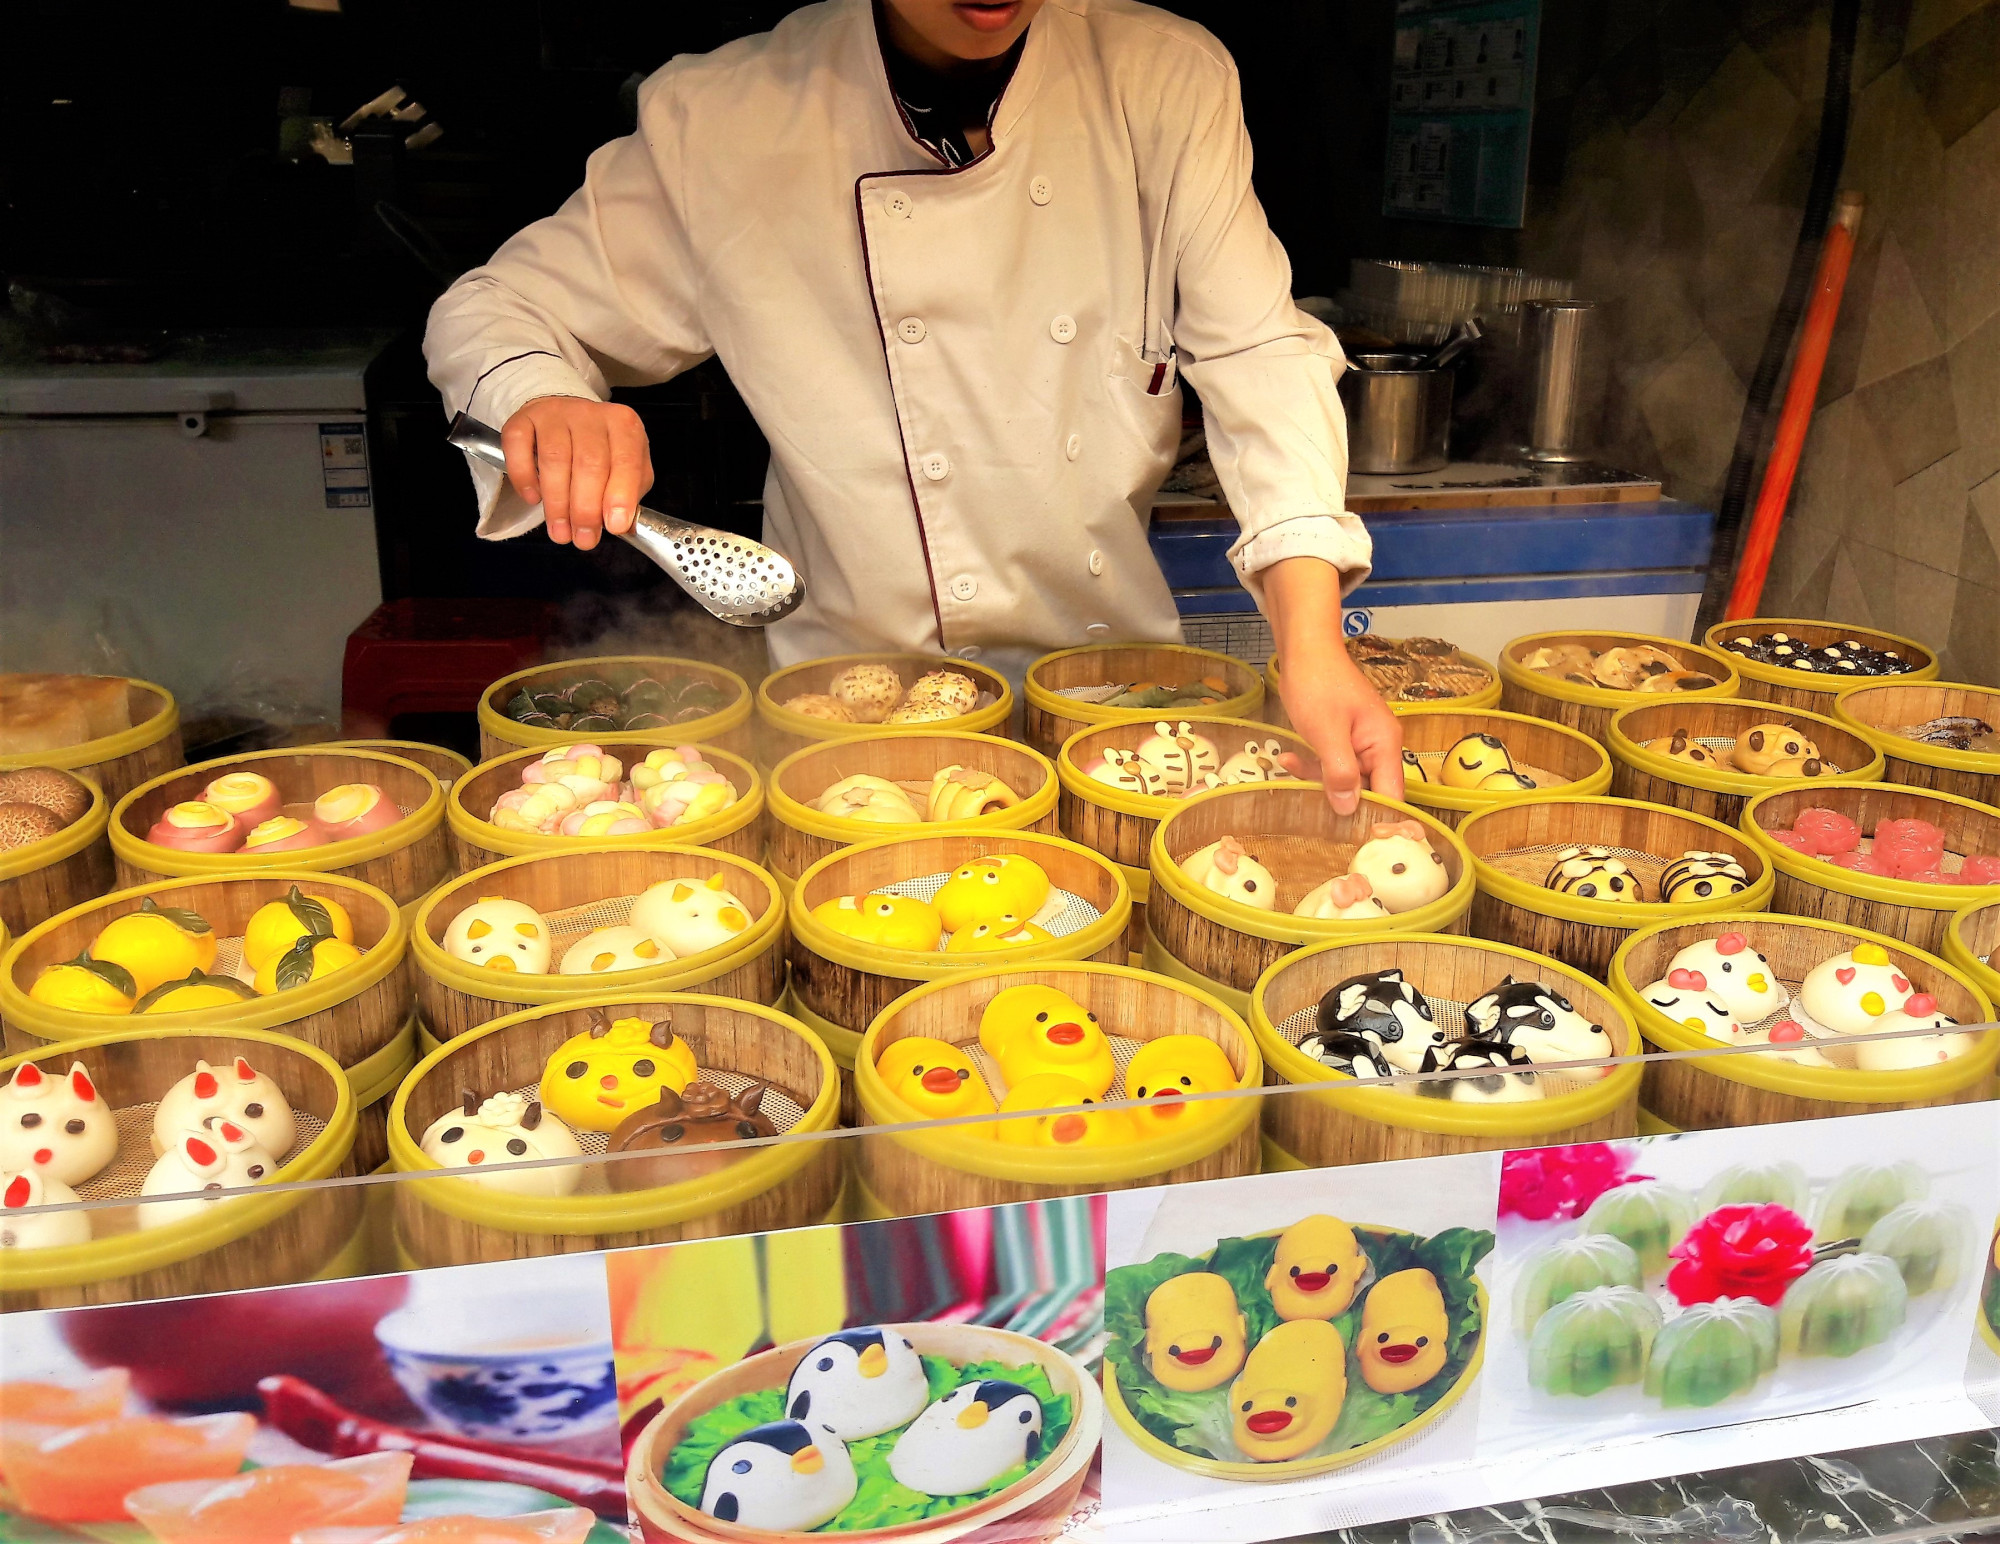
x=552 y=465
x=1378 y=744
x=518 y=441
x=1340 y=773
x=630 y=461
x=589 y=470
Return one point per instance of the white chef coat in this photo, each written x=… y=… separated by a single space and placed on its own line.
x=967 y=377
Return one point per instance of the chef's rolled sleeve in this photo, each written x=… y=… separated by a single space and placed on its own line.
x=1341 y=540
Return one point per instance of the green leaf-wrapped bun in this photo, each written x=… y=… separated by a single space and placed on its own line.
x=1781 y=1183
x=1711 y=1351
x=1574 y=1265
x=1928 y=1240
x=1593 y=1340
x=1844 y=1305
x=1648 y=1217
x=1865 y=1194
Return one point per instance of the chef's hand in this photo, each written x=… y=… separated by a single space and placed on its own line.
x=586 y=463
x=1327 y=698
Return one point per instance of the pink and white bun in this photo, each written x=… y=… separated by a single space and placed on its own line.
x=198 y=827
x=354 y=809
x=605 y=818
x=585 y=770
x=284 y=833
x=251 y=797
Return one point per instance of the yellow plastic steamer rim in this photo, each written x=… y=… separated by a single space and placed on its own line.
x=1445 y=1117
x=482 y=833
x=935 y=965
x=1871 y=887
x=1549 y=903
x=1283 y=928
x=804 y=724
x=1960 y=954
x=958 y=1147
x=1986 y=762
x=1728 y=780
x=553 y=988
x=1438 y=796
x=66 y=843
x=140 y=853
x=1513 y=671
x=1763 y=1070
x=754 y=1172
x=799 y=816
x=128 y=1254
x=1146 y=806
x=110 y=747
x=1815 y=680
x=377 y=963
x=1242 y=705
x=721 y=721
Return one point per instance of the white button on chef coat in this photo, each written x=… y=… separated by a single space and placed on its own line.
x=1063 y=329
x=764 y=211
x=964 y=587
x=1073 y=446
x=911 y=329
x=970 y=651
x=1096 y=562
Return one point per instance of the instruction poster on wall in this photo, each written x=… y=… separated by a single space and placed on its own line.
x=1461 y=102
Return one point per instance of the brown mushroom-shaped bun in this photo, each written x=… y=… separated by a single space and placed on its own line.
x=63 y=796
x=24 y=824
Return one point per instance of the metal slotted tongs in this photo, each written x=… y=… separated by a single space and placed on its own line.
x=737 y=580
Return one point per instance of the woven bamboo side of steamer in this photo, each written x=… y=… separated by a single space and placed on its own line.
x=1052 y=720
x=1589 y=709
x=723 y=1037
x=1704 y=1093
x=1890 y=704
x=1972 y=945
x=1807 y=689
x=1640 y=771
x=781 y=732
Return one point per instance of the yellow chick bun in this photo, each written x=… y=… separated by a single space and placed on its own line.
x=1072 y=1128
x=597 y=1078
x=1008 y=932
x=1196 y=1337
x=86 y=985
x=1037 y=1029
x=1404 y=1332
x=987 y=889
x=1317 y=1269
x=157 y=944
x=1290 y=1393
x=935 y=1079
x=307 y=960
x=887 y=921
x=1165 y=1071
x=277 y=925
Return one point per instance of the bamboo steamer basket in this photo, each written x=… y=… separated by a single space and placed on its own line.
x=1971 y=939
x=1560 y=759
x=1884 y=705
x=447 y=766
x=841 y=985
x=1035 y=1508
x=120 y=762
x=1809 y=689
x=60 y=871
x=1488 y=696
x=406 y=858
x=739 y=829
x=800 y=835
x=1223 y=946
x=790 y=1184
x=927 y=1167
x=1720 y=793
x=252 y=1240
x=1513 y=846
x=1333 y=1122
x=1755 y=1088
x=1053 y=718
x=728 y=726
x=780 y=731
x=1915 y=912
x=1589 y=708
x=595 y=887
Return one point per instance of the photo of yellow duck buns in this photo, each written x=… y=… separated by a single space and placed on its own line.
x=1036 y=1029
x=1404 y=1330
x=1196 y=1335
x=936 y=1079
x=1166 y=1072
x=1317 y=1271
x=1290 y=1393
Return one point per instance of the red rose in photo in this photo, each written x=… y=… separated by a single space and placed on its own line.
x=1741 y=1251
x=1548 y=1182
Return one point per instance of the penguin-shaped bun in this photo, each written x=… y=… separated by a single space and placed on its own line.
x=858 y=1383
x=969 y=1438
x=781 y=1476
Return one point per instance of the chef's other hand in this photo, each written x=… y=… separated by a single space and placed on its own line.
x=586 y=463
x=1328 y=700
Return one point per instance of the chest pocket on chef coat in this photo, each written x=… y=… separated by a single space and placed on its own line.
x=1145 y=396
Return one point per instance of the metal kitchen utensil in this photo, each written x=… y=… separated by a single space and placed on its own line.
x=737 y=580
x=1398 y=413
x=1552 y=336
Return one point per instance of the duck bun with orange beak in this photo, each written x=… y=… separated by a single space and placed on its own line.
x=782 y=1476
x=1404 y=1331
x=858 y=1383
x=1031 y=1030
x=1168 y=1071
x=1317 y=1270
x=1196 y=1335
x=1289 y=1397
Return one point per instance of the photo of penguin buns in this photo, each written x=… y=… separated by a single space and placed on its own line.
x=1682 y=746
x=1737 y=976
x=237 y=1092
x=1344 y=898
x=1381 y=1006
x=1683 y=995
x=1475 y=758
x=969 y=1438
x=781 y=1476
x=1183 y=757
x=507 y=1128
x=1541 y=1022
x=1225 y=868
x=1404 y=1331
x=1037 y=1029
x=595 y=1079
x=1761 y=748
x=1849 y=992
x=1317 y=1270
x=858 y=1383
x=1701 y=876
x=56 y=1128
x=1196 y=1334
x=1592 y=874
x=1290 y=1392
x=1401 y=866
x=1500 y=1087
x=1167 y=1071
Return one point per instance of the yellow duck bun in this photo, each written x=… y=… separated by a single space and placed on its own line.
x=1288 y=1397
x=1317 y=1270
x=1196 y=1334
x=1404 y=1330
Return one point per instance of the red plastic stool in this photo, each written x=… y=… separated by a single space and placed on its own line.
x=434 y=656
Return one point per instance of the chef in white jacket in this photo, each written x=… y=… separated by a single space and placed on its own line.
x=956 y=255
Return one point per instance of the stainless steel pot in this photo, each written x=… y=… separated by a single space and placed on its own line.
x=1398 y=413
